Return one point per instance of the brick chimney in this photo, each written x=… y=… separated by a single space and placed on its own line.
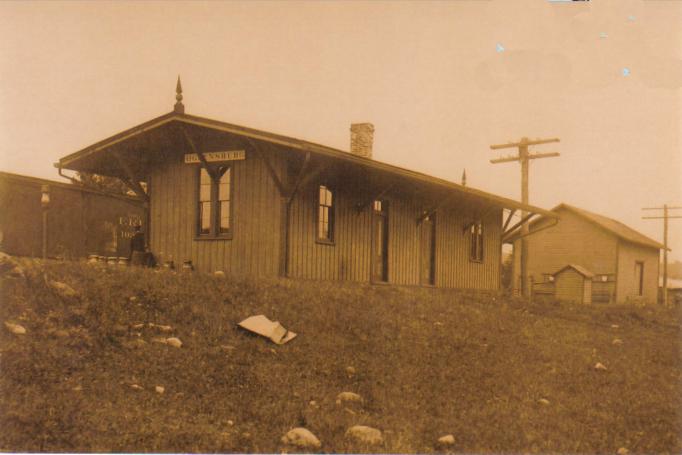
x=361 y=139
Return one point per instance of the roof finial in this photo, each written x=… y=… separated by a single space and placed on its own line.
x=464 y=178
x=179 y=107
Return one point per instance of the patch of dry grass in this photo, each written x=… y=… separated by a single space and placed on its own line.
x=428 y=362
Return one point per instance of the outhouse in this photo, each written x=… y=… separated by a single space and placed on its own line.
x=573 y=283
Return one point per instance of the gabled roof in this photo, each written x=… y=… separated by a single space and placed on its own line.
x=578 y=268
x=79 y=160
x=613 y=226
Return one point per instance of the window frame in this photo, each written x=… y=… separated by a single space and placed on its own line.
x=214 y=201
x=329 y=240
x=476 y=250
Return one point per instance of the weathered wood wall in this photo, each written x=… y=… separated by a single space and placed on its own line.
x=254 y=247
x=349 y=257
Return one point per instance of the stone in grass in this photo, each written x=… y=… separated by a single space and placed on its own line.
x=175 y=342
x=617 y=341
x=63 y=289
x=160 y=327
x=15 y=328
x=302 y=438
x=446 y=440
x=348 y=396
x=544 y=401
x=159 y=389
x=600 y=366
x=623 y=451
x=136 y=387
x=365 y=435
x=350 y=370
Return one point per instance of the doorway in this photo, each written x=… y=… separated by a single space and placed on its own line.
x=427 y=248
x=379 y=241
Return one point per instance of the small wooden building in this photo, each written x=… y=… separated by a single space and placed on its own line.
x=250 y=202
x=79 y=221
x=573 y=283
x=624 y=262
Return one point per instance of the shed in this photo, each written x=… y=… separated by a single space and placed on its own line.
x=573 y=283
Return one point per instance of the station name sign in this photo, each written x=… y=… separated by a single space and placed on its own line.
x=211 y=157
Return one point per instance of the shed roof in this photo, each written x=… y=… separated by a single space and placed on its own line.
x=578 y=268
x=91 y=158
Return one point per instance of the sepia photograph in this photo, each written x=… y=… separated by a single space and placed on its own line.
x=341 y=226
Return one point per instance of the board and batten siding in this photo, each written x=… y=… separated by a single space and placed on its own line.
x=255 y=244
x=627 y=284
x=349 y=257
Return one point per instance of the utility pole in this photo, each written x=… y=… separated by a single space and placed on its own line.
x=524 y=157
x=665 y=219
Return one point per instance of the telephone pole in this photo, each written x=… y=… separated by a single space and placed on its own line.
x=665 y=219
x=524 y=157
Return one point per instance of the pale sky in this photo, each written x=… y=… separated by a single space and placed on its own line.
x=440 y=81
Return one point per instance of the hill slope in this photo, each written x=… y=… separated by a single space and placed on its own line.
x=427 y=363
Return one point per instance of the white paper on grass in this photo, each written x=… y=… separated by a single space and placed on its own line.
x=267 y=328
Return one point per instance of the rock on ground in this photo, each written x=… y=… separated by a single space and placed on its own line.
x=348 y=396
x=301 y=437
x=617 y=341
x=623 y=451
x=175 y=342
x=600 y=366
x=15 y=328
x=63 y=289
x=10 y=267
x=544 y=401
x=446 y=440
x=159 y=389
x=365 y=435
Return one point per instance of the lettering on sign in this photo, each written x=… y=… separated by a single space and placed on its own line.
x=227 y=155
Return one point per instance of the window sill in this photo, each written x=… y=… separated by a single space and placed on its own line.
x=325 y=242
x=201 y=238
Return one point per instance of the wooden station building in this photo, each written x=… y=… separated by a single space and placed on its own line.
x=250 y=202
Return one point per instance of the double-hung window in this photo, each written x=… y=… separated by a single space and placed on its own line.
x=215 y=203
x=325 y=215
x=476 y=241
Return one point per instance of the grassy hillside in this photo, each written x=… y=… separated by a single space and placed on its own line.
x=427 y=363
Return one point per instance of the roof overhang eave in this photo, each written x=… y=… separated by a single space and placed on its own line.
x=69 y=161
